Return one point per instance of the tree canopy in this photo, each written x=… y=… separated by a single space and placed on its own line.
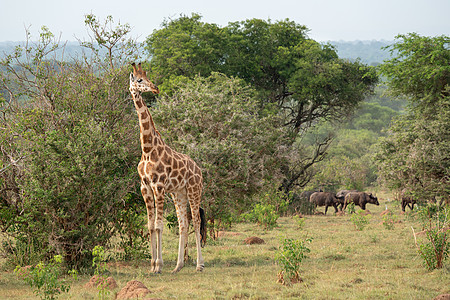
x=306 y=80
x=420 y=70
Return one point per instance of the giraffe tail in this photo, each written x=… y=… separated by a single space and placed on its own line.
x=202 y=227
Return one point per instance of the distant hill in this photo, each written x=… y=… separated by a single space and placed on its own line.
x=71 y=50
x=369 y=52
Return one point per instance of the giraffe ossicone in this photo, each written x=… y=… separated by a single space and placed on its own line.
x=163 y=170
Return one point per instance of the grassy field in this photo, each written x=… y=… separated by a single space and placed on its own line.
x=344 y=263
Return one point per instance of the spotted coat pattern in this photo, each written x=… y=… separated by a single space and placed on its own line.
x=163 y=170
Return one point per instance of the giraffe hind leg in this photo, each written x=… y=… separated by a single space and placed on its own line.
x=194 y=201
x=159 y=226
x=180 y=202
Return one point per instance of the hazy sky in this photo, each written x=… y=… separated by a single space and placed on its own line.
x=327 y=19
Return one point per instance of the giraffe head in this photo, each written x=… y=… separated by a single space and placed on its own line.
x=139 y=81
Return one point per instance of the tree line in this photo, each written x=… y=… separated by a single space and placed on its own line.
x=254 y=103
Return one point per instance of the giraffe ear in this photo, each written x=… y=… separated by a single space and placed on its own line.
x=134 y=67
x=131 y=77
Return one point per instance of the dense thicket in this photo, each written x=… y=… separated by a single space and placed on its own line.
x=69 y=150
x=415 y=155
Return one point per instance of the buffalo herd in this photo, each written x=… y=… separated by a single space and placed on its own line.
x=341 y=198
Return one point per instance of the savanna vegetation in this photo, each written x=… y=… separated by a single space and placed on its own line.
x=267 y=113
x=343 y=263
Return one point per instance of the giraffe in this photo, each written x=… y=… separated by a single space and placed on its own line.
x=163 y=170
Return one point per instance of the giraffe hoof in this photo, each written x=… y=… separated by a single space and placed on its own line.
x=200 y=268
x=153 y=267
x=177 y=269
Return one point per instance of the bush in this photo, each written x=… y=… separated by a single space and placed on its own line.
x=389 y=220
x=289 y=257
x=215 y=121
x=351 y=208
x=99 y=265
x=44 y=278
x=298 y=204
x=299 y=221
x=436 y=248
x=262 y=214
x=359 y=220
x=76 y=139
x=131 y=226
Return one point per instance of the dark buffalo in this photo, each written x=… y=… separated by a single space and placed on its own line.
x=341 y=196
x=324 y=199
x=407 y=200
x=307 y=194
x=360 y=199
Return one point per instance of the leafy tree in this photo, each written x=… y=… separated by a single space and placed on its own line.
x=185 y=47
x=71 y=151
x=304 y=80
x=420 y=68
x=372 y=117
x=416 y=153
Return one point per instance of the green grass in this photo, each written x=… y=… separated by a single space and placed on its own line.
x=344 y=263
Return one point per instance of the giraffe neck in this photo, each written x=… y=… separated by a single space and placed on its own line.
x=150 y=137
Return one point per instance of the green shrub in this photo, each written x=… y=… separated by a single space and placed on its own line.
x=300 y=222
x=21 y=251
x=351 y=208
x=262 y=214
x=436 y=248
x=289 y=257
x=99 y=265
x=359 y=220
x=389 y=220
x=78 y=146
x=131 y=228
x=277 y=198
x=45 y=278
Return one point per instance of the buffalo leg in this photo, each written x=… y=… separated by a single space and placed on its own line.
x=335 y=207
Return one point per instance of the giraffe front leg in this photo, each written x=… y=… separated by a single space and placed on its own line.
x=150 y=205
